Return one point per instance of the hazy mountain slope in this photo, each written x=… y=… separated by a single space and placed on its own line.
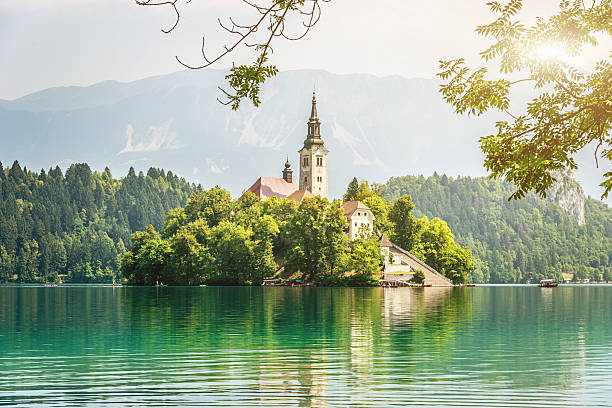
x=374 y=127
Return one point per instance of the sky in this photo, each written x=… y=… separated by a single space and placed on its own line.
x=46 y=43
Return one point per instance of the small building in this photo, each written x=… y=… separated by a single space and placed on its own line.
x=360 y=219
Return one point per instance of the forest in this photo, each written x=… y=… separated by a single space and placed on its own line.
x=513 y=241
x=215 y=240
x=75 y=227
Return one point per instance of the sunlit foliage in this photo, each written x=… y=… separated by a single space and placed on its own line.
x=572 y=107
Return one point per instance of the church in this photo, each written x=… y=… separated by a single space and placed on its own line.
x=399 y=265
x=312 y=180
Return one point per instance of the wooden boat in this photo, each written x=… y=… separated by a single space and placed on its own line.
x=271 y=282
x=548 y=283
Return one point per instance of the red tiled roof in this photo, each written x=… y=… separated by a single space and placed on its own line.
x=350 y=207
x=384 y=241
x=266 y=187
x=300 y=195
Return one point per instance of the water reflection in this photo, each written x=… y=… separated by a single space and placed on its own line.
x=308 y=347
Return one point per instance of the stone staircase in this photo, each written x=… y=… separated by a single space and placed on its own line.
x=432 y=277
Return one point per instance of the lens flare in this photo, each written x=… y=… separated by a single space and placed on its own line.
x=551 y=51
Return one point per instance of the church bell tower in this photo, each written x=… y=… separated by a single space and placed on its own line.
x=313 y=157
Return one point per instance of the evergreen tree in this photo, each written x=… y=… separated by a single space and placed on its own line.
x=352 y=190
x=75 y=228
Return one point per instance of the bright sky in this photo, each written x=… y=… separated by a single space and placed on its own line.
x=46 y=43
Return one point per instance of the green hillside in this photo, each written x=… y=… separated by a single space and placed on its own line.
x=514 y=241
x=78 y=224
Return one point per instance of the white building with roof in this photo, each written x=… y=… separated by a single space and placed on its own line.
x=360 y=219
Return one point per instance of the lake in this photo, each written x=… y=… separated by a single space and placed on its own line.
x=306 y=347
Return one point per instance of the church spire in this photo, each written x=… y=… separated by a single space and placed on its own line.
x=314 y=125
x=313 y=112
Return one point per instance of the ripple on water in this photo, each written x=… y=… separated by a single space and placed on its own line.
x=486 y=347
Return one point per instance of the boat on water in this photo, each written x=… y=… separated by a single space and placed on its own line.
x=548 y=283
x=271 y=282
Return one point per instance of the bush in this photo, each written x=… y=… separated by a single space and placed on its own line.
x=419 y=277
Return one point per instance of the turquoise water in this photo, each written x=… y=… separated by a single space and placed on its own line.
x=306 y=347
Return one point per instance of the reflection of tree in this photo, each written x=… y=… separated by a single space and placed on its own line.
x=421 y=323
x=311 y=347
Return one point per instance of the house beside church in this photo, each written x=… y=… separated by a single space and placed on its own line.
x=360 y=219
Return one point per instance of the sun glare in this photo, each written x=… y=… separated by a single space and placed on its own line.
x=551 y=51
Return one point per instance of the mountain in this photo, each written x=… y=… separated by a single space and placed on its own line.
x=521 y=240
x=374 y=128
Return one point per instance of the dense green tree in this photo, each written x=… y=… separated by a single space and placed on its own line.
x=512 y=241
x=174 y=220
x=238 y=250
x=352 y=190
x=318 y=241
x=581 y=273
x=214 y=206
x=418 y=277
x=365 y=260
x=184 y=257
x=406 y=228
x=438 y=249
x=238 y=258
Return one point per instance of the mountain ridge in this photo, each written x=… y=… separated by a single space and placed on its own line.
x=375 y=127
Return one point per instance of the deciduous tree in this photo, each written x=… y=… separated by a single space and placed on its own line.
x=571 y=108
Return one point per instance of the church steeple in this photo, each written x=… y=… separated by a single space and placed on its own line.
x=313 y=112
x=313 y=156
x=314 y=125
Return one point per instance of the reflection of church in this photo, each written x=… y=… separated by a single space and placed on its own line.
x=312 y=181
